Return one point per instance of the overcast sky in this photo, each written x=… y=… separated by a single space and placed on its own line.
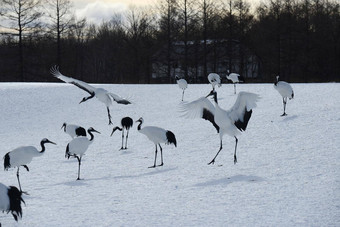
x=97 y=11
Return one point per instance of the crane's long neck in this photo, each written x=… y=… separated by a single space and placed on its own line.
x=215 y=98
x=92 y=136
x=140 y=125
x=42 y=143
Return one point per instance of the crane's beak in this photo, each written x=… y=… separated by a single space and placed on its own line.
x=52 y=142
x=96 y=131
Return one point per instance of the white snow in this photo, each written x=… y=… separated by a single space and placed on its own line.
x=288 y=170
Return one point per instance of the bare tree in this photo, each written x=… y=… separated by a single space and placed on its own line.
x=22 y=17
x=61 y=21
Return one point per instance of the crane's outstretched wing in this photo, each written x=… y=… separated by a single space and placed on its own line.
x=241 y=112
x=119 y=99
x=82 y=85
x=200 y=108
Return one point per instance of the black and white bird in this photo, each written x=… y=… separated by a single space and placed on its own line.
x=157 y=136
x=235 y=78
x=182 y=84
x=101 y=94
x=78 y=146
x=126 y=123
x=285 y=90
x=214 y=79
x=74 y=130
x=231 y=122
x=10 y=200
x=22 y=156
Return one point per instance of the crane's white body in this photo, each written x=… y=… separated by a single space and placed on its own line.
x=214 y=79
x=155 y=134
x=23 y=155
x=234 y=77
x=71 y=129
x=230 y=122
x=285 y=89
x=79 y=145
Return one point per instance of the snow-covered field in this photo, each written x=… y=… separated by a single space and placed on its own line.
x=288 y=170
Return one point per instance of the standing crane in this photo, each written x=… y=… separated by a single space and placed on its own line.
x=157 y=135
x=22 y=156
x=101 y=94
x=231 y=122
x=78 y=146
x=235 y=78
x=126 y=124
x=182 y=84
x=285 y=90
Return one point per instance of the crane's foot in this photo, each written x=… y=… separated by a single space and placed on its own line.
x=212 y=162
x=152 y=166
x=161 y=164
x=23 y=192
x=79 y=178
x=235 y=159
x=284 y=114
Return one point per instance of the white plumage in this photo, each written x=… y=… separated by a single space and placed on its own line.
x=285 y=90
x=214 y=79
x=74 y=130
x=10 y=200
x=157 y=135
x=78 y=146
x=101 y=94
x=182 y=84
x=235 y=78
x=230 y=122
x=22 y=156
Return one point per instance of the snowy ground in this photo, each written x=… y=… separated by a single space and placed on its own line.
x=288 y=170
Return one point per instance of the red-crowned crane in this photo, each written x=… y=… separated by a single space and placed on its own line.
x=214 y=79
x=78 y=146
x=101 y=94
x=285 y=90
x=74 y=130
x=230 y=122
x=10 y=200
x=22 y=156
x=157 y=135
x=126 y=123
x=182 y=84
x=235 y=78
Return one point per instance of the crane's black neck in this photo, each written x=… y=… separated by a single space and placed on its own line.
x=92 y=136
x=140 y=125
x=215 y=97
x=42 y=143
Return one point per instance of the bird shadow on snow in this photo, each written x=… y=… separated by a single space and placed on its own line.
x=289 y=118
x=228 y=180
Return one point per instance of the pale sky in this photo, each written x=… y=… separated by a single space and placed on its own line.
x=97 y=11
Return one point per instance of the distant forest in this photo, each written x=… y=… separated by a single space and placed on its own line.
x=296 y=39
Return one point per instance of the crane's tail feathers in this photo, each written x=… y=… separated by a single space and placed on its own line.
x=171 y=139
x=15 y=202
x=119 y=99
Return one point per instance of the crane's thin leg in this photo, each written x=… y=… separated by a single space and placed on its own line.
x=122 y=148
x=108 y=114
x=161 y=155
x=127 y=136
x=79 y=161
x=235 y=159
x=284 y=106
x=182 y=94
x=154 y=164
x=234 y=88
x=18 y=179
x=213 y=161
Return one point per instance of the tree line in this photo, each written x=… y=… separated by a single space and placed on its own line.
x=296 y=39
